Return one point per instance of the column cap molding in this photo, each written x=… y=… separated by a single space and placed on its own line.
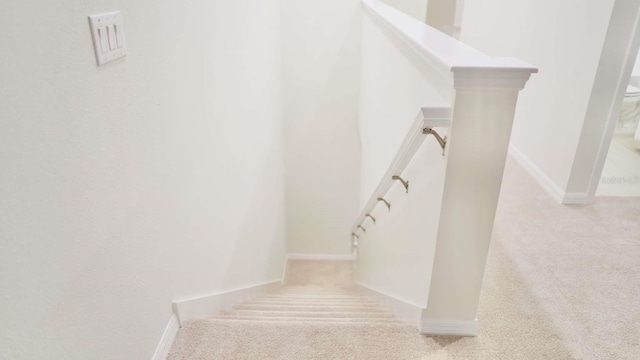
x=491 y=78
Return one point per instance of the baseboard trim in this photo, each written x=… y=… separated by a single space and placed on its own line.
x=169 y=335
x=402 y=310
x=284 y=270
x=449 y=327
x=576 y=199
x=210 y=305
x=549 y=185
x=320 y=257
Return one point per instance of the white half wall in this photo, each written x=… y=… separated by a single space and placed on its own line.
x=321 y=59
x=401 y=310
x=564 y=39
x=395 y=255
x=125 y=187
x=395 y=84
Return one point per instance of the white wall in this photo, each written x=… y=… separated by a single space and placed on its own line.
x=321 y=58
x=441 y=14
x=395 y=255
x=414 y=8
x=610 y=84
x=564 y=39
x=395 y=84
x=127 y=186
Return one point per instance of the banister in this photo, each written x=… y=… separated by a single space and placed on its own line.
x=427 y=118
x=459 y=210
x=468 y=65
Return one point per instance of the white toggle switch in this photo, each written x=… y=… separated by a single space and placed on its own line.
x=103 y=38
x=120 y=35
x=112 y=37
x=108 y=36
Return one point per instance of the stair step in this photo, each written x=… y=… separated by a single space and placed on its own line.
x=295 y=324
x=308 y=314
x=308 y=308
x=312 y=298
x=307 y=319
x=313 y=303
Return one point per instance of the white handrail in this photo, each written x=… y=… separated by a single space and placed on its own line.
x=427 y=118
x=441 y=50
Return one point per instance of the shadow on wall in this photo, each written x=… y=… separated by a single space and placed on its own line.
x=321 y=135
x=264 y=220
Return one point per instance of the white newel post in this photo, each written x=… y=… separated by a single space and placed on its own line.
x=483 y=114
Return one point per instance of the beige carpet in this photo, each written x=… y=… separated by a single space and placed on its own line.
x=562 y=282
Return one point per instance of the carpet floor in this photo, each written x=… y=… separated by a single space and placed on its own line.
x=301 y=322
x=561 y=282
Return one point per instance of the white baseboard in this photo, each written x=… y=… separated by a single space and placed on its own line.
x=449 y=327
x=320 y=257
x=402 y=310
x=576 y=199
x=284 y=270
x=549 y=185
x=210 y=305
x=167 y=339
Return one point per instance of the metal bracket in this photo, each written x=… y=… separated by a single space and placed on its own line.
x=363 y=229
x=404 y=182
x=385 y=202
x=372 y=218
x=442 y=141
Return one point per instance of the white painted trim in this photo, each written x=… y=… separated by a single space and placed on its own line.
x=404 y=311
x=449 y=327
x=576 y=198
x=614 y=107
x=320 y=257
x=284 y=269
x=169 y=335
x=441 y=50
x=210 y=305
x=549 y=185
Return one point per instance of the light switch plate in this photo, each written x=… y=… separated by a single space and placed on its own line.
x=107 y=31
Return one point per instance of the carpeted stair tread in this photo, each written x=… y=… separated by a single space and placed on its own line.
x=300 y=322
x=306 y=319
x=308 y=314
x=317 y=298
x=238 y=339
x=308 y=308
x=312 y=303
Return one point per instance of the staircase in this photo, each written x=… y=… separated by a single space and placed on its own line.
x=318 y=314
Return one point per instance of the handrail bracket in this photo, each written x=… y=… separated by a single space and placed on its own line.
x=385 y=202
x=442 y=141
x=404 y=182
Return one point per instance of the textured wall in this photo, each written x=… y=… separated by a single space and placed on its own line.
x=124 y=187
